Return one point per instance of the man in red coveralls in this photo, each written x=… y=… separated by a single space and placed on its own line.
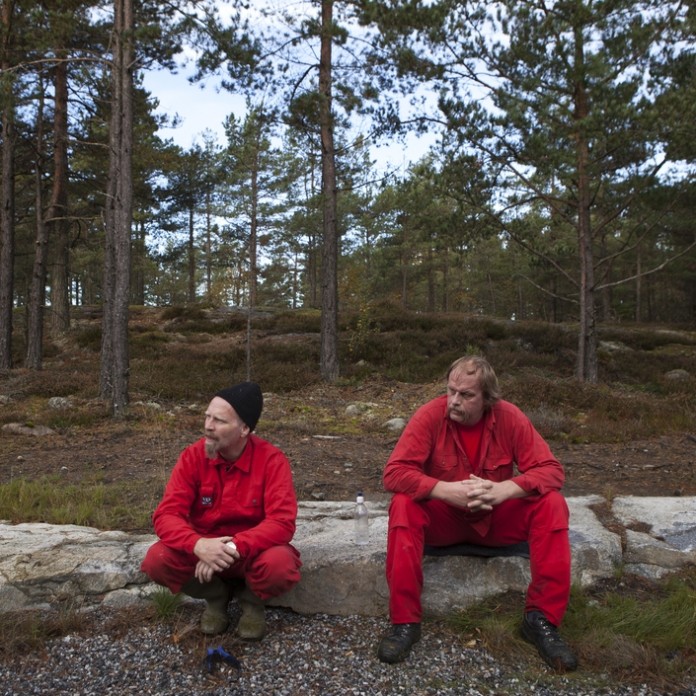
x=453 y=478
x=227 y=517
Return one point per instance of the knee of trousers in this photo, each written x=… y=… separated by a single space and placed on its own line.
x=168 y=567
x=406 y=512
x=274 y=571
x=551 y=511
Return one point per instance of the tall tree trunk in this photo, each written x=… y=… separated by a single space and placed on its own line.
x=7 y=192
x=55 y=225
x=639 y=287
x=57 y=217
x=404 y=265
x=208 y=262
x=295 y=280
x=431 y=278
x=37 y=289
x=329 y=367
x=115 y=359
x=209 y=239
x=491 y=292
x=586 y=366
x=311 y=264
x=312 y=271
x=445 y=280
x=191 y=254
x=254 y=229
x=253 y=245
x=138 y=265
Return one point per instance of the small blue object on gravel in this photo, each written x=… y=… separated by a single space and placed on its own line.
x=217 y=655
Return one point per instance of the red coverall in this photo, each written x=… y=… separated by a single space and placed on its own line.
x=251 y=499
x=430 y=450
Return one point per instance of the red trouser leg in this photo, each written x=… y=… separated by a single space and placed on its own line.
x=270 y=574
x=273 y=572
x=540 y=520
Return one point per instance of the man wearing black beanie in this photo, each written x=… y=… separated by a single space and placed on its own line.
x=227 y=517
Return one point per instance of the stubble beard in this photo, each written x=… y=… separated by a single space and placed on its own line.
x=211 y=449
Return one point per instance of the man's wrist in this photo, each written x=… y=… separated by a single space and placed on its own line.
x=437 y=491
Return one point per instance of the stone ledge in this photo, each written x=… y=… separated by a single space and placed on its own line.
x=44 y=565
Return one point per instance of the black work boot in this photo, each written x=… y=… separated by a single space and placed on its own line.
x=537 y=629
x=396 y=645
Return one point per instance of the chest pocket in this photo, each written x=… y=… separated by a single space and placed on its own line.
x=497 y=468
x=446 y=467
x=251 y=499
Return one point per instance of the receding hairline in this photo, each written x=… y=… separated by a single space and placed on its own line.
x=480 y=367
x=469 y=364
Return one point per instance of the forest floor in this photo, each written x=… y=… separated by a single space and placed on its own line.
x=329 y=466
x=334 y=451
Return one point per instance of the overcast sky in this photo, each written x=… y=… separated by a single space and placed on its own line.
x=201 y=107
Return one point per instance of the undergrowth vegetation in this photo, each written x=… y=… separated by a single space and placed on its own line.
x=90 y=504
x=181 y=354
x=24 y=632
x=627 y=631
x=623 y=633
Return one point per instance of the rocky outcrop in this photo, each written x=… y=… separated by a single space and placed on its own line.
x=45 y=565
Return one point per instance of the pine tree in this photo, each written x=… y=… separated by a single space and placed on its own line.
x=559 y=102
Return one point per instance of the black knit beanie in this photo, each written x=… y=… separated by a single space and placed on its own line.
x=246 y=399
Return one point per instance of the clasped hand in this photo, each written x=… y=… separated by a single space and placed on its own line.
x=213 y=556
x=474 y=493
x=480 y=493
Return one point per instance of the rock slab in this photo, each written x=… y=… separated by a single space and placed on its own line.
x=45 y=565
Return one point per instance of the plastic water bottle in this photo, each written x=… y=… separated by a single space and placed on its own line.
x=362 y=521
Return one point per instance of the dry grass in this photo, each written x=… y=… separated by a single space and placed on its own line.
x=24 y=632
x=628 y=631
x=48 y=499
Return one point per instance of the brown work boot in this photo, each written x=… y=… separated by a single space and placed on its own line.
x=252 y=623
x=216 y=593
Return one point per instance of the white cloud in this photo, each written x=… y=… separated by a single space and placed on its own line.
x=200 y=107
x=203 y=107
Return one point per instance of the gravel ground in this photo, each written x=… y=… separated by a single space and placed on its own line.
x=301 y=656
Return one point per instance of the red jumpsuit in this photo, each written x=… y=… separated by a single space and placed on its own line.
x=251 y=499
x=430 y=450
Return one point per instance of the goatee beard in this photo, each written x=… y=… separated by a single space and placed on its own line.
x=211 y=450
